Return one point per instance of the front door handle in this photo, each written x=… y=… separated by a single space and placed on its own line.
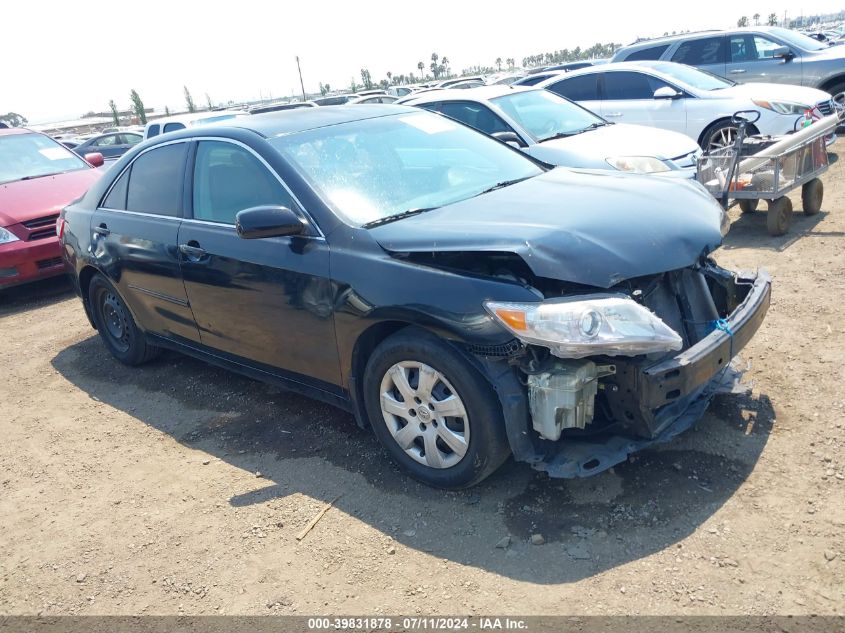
x=192 y=251
x=738 y=71
x=102 y=229
x=614 y=114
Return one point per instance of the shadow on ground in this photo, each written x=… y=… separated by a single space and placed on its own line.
x=34 y=295
x=590 y=525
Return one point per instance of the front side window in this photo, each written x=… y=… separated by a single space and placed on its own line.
x=130 y=139
x=752 y=48
x=155 y=180
x=27 y=156
x=582 y=88
x=624 y=86
x=708 y=50
x=475 y=115
x=545 y=115
x=375 y=168
x=106 y=141
x=228 y=179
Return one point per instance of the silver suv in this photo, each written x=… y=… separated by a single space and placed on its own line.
x=764 y=53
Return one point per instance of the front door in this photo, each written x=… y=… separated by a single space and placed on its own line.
x=134 y=235
x=750 y=59
x=628 y=97
x=268 y=300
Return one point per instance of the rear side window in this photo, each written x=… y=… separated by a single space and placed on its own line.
x=530 y=81
x=173 y=127
x=153 y=130
x=117 y=196
x=650 y=53
x=228 y=179
x=476 y=116
x=709 y=50
x=155 y=181
x=582 y=88
x=625 y=86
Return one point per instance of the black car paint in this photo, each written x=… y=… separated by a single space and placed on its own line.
x=305 y=310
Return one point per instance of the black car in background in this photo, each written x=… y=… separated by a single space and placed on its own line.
x=112 y=145
x=459 y=298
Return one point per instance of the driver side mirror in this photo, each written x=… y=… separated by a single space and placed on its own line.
x=95 y=159
x=782 y=52
x=268 y=221
x=667 y=92
x=511 y=138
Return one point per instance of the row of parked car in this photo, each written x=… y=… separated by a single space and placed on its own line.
x=425 y=264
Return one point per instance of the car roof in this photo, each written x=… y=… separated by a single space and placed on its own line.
x=272 y=124
x=646 y=65
x=481 y=93
x=4 y=131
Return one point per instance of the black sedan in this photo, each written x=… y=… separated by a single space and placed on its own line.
x=111 y=146
x=461 y=299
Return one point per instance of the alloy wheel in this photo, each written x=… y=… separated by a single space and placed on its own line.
x=722 y=138
x=424 y=414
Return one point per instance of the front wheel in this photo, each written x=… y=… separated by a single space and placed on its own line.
x=433 y=412
x=115 y=324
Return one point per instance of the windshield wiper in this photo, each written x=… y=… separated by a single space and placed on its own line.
x=34 y=176
x=591 y=126
x=396 y=216
x=502 y=185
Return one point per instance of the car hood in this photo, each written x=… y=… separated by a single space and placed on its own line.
x=24 y=200
x=776 y=92
x=590 y=149
x=589 y=227
x=836 y=52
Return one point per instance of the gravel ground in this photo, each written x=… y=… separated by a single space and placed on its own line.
x=180 y=488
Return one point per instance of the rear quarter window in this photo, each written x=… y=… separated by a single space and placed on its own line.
x=650 y=53
x=582 y=88
x=155 y=181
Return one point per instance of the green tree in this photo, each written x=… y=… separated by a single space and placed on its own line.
x=115 y=117
x=208 y=101
x=420 y=65
x=511 y=62
x=13 y=119
x=366 y=79
x=138 y=106
x=773 y=19
x=189 y=100
x=756 y=19
x=444 y=66
x=743 y=21
x=166 y=111
x=328 y=88
x=435 y=69
x=389 y=77
x=499 y=63
x=353 y=86
x=322 y=89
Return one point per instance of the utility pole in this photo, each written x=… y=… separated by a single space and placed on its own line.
x=301 y=85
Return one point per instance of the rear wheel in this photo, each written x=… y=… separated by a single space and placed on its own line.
x=115 y=324
x=433 y=412
x=749 y=205
x=779 y=216
x=720 y=135
x=812 y=194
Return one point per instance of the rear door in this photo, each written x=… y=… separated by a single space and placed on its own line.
x=707 y=53
x=134 y=240
x=583 y=89
x=628 y=97
x=268 y=300
x=751 y=60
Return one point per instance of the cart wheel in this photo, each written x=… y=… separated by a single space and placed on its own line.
x=812 y=194
x=748 y=206
x=779 y=216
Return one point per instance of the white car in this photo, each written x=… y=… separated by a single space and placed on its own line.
x=559 y=132
x=192 y=119
x=684 y=99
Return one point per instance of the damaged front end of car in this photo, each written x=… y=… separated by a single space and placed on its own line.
x=612 y=373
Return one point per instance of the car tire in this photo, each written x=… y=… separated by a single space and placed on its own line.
x=718 y=134
x=812 y=195
x=749 y=205
x=450 y=452
x=115 y=324
x=779 y=216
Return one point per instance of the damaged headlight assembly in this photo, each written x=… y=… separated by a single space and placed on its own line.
x=590 y=325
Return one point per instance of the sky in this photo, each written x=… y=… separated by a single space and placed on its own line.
x=63 y=58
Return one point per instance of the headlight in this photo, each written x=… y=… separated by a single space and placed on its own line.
x=7 y=236
x=638 y=164
x=589 y=325
x=782 y=107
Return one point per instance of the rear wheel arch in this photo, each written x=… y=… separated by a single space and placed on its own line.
x=85 y=276
x=834 y=83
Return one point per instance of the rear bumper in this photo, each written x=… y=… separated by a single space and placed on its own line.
x=24 y=261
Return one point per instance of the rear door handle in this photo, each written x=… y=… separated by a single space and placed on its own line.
x=192 y=251
x=738 y=71
x=614 y=114
x=102 y=229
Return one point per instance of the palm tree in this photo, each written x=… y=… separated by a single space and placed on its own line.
x=389 y=76
x=420 y=65
x=756 y=19
x=499 y=63
x=773 y=19
x=444 y=64
x=511 y=62
x=743 y=21
x=435 y=69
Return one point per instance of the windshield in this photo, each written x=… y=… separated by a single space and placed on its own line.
x=545 y=115
x=799 y=39
x=375 y=168
x=692 y=77
x=34 y=155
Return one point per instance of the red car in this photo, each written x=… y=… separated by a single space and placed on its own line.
x=38 y=178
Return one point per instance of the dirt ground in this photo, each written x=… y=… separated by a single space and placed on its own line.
x=180 y=488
